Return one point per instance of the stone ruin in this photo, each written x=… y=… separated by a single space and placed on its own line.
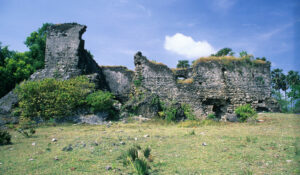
x=208 y=87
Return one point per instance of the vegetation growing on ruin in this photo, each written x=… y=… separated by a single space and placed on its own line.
x=185 y=81
x=138 y=80
x=157 y=63
x=226 y=57
x=188 y=112
x=227 y=60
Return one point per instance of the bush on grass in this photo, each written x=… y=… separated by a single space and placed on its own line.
x=5 y=137
x=101 y=101
x=51 y=98
x=245 y=112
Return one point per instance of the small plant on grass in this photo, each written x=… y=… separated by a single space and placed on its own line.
x=137 y=159
x=147 y=152
x=211 y=116
x=141 y=166
x=245 y=112
x=5 y=137
x=199 y=123
x=191 y=133
x=251 y=139
x=26 y=127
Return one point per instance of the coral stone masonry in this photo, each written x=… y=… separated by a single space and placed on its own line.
x=210 y=86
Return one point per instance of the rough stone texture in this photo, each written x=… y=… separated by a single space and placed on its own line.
x=6 y=104
x=65 y=56
x=209 y=87
x=119 y=81
x=92 y=119
x=143 y=105
x=231 y=118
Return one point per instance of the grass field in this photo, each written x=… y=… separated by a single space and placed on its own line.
x=269 y=147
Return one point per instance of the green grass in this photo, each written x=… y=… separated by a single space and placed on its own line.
x=232 y=148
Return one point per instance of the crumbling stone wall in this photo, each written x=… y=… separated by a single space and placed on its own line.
x=119 y=81
x=210 y=86
x=65 y=56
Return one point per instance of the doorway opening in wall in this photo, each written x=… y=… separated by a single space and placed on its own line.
x=219 y=106
x=262 y=109
x=217 y=109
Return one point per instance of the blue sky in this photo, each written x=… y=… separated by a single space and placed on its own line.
x=164 y=30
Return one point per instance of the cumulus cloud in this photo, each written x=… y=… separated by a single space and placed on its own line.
x=187 y=47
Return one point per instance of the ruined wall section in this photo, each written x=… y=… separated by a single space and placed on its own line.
x=65 y=56
x=155 y=77
x=226 y=86
x=209 y=87
x=119 y=80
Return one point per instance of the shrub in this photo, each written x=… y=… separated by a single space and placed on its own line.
x=50 y=98
x=211 y=116
x=244 y=112
x=188 y=112
x=5 y=137
x=170 y=114
x=101 y=101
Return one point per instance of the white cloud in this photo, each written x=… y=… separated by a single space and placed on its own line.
x=187 y=47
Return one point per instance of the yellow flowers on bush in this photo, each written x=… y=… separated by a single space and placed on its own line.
x=51 y=98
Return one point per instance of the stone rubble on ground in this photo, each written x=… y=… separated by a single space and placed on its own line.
x=68 y=148
x=108 y=168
